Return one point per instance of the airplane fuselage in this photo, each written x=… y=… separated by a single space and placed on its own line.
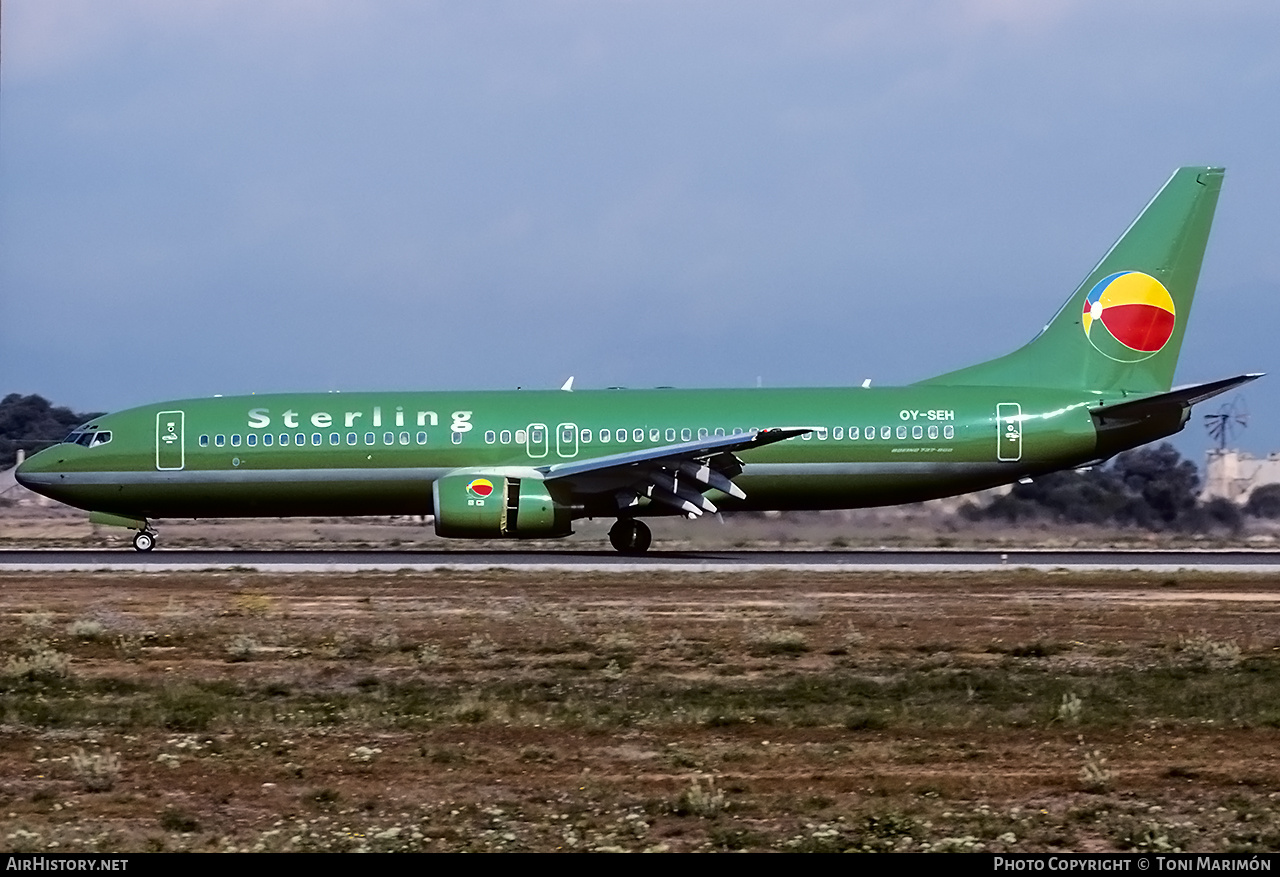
x=379 y=453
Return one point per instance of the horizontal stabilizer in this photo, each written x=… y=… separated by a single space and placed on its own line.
x=1179 y=398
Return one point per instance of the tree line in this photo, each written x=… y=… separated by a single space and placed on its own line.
x=33 y=423
x=1149 y=488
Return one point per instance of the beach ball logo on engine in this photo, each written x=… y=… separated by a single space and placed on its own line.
x=480 y=488
x=1129 y=316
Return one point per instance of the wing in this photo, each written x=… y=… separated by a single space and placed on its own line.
x=674 y=476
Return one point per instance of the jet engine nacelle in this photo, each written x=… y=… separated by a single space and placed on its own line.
x=497 y=503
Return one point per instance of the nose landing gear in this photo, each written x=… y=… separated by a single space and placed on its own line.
x=630 y=536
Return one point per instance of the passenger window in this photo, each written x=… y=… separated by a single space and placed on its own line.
x=933 y=432
x=838 y=433
x=404 y=438
x=300 y=439
x=586 y=436
x=719 y=432
x=521 y=436
x=671 y=435
x=317 y=439
x=251 y=439
x=686 y=434
x=204 y=441
x=422 y=438
x=806 y=437
x=902 y=432
x=457 y=438
x=388 y=438
x=949 y=432
x=506 y=437
x=490 y=437
x=267 y=438
x=566 y=435
x=335 y=438
x=822 y=433
x=637 y=435
x=535 y=435
x=605 y=435
x=917 y=432
x=219 y=440
x=351 y=438
x=284 y=439
x=235 y=441
x=702 y=433
x=655 y=435
x=886 y=432
x=370 y=438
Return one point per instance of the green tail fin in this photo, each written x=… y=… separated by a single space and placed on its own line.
x=1122 y=328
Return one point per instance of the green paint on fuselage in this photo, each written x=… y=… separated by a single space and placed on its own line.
x=940 y=441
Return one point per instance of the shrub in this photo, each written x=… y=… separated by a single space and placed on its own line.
x=85 y=629
x=1264 y=502
x=242 y=647
x=1204 y=651
x=98 y=771
x=42 y=664
x=779 y=642
x=697 y=800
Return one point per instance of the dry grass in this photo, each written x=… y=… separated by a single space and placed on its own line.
x=517 y=711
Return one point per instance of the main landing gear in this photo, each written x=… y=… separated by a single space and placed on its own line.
x=630 y=536
x=144 y=540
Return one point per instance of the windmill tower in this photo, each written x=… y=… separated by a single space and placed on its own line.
x=1224 y=477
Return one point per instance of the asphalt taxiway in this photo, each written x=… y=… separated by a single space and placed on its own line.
x=606 y=561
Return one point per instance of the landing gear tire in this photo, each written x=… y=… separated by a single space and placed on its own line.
x=630 y=536
x=144 y=541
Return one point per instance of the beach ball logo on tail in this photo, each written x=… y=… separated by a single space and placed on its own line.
x=1129 y=316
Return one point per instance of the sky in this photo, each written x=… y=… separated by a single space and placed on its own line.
x=235 y=197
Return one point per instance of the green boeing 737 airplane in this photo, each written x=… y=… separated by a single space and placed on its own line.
x=1097 y=380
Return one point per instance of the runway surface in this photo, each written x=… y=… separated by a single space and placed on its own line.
x=606 y=561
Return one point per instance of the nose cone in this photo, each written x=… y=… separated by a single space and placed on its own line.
x=36 y=471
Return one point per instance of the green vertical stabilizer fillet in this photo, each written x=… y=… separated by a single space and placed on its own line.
x=1166 y=242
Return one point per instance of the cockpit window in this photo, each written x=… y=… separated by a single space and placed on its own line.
x=88 y=438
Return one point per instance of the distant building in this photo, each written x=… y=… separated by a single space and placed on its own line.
x=1234 y=475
